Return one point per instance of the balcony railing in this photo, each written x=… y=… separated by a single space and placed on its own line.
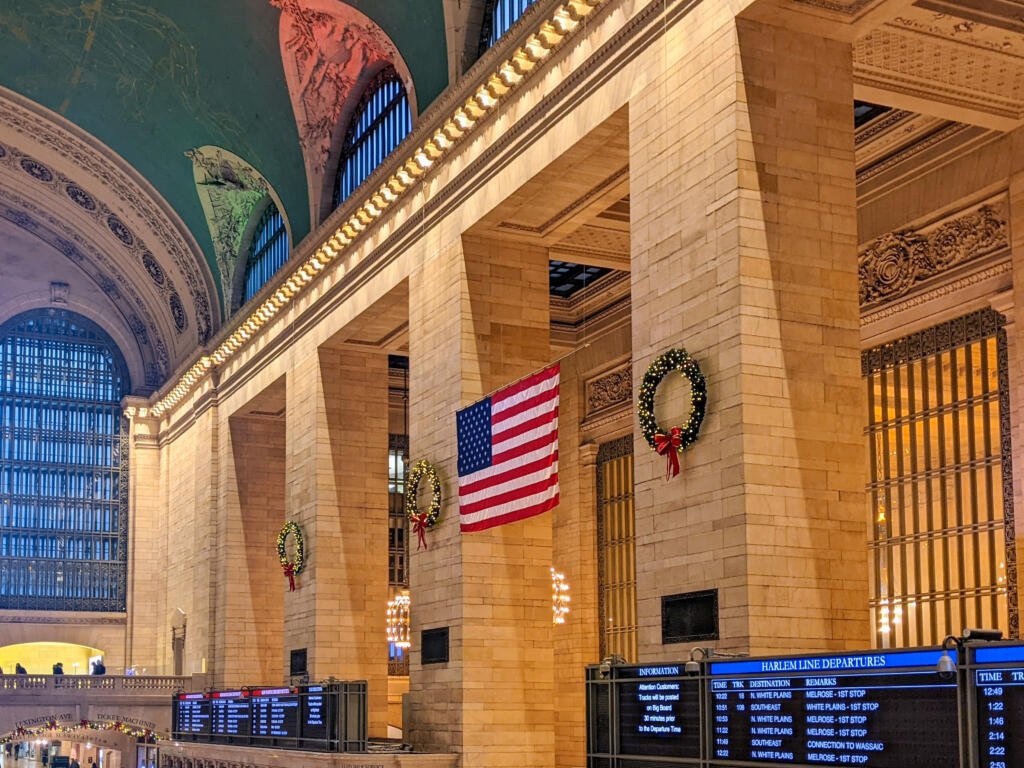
x=161 y=684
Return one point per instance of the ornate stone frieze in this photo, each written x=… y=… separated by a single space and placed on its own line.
x=612 y=389
x=229 y=190
x=898 y=261
x=326 y=45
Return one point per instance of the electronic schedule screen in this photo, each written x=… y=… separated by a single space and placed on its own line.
x=659 y=712
x=192 y=715
x=999 y=700
x=327 y=718
x=231 y=716
x=881 y=709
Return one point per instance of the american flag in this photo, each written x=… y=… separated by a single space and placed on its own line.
x=508 y=453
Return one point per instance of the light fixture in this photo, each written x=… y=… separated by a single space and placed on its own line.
x=987 y=635
x=398 y=621
x=559 y=597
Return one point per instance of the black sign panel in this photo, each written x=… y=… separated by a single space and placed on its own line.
x=192 y=715
x=275 y=714
x=999 y=697
x=307 y=717
x=231 y=716
x=316 y=712
x=883 y=710
x=659 y=713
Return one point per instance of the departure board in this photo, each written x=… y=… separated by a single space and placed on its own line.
x=330 y=717
x=192 y=715
x=999 y=695
x=231 y=715
x=659 y=712
x=884 y=710
x=275 y=714
x=316 y=714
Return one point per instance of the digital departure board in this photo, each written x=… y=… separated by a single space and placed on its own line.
x=192 y=715
x=659 y=712
x=999 y=698
x=231 y=716
x=884 y=710
x=327 y=718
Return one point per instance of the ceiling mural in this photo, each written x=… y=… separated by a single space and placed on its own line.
x=330 y=51
x=230 y=191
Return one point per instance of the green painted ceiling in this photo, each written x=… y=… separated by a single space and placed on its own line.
x=155 y=78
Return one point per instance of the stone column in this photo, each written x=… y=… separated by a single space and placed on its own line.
x=336 y=474
x=479 y=319
x=145 y=572
x=744 y=238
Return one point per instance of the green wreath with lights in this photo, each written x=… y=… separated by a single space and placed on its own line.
x=672 y=441
x=421 y=521
x=291 y=568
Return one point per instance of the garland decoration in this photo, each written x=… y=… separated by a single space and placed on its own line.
x=677 y=439
x=21 y=733
x=291 y=568
x=422 y=521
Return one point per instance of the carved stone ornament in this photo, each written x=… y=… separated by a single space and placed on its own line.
x=609 y=390
x=896 y=262
x=325 y=46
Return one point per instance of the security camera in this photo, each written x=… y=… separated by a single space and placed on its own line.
x=946 y=666
x=982 y=634
x=692 y=667
x=604 y=669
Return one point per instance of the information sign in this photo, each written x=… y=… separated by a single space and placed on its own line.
x=659 y=712
x=884 y=710
x=192 y=715
x=999 y=693
x=275 y=714
x=231 y=715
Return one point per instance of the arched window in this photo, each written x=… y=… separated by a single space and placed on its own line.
x=268 y=251
x=499 y=16
x=63 y=465
x=380 y=122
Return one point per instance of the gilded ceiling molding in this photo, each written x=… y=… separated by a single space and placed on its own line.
x=327 y=50
x=145 y=227
x=897 y=262
x=489 y=93
x=230 y=190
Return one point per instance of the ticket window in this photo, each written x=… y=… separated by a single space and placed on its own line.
x=145 y=756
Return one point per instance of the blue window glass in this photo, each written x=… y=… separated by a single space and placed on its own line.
x=63 y=465
x=380 y=122
x=268 y=252
x=499 y=16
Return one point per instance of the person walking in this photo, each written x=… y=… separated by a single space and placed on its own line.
x=19 y=670
x=58 y=668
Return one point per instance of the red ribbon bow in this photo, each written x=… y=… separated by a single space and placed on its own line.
x=289 y=571
x=419 y=527
x=668 y=446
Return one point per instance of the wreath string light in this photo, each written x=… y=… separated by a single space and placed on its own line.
x=672 y=442
x=422 y=521
x=291 y=568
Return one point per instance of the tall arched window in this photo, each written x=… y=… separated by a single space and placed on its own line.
x=499 y=16
x=380 y=122
x=268 y=251
x=63 y=465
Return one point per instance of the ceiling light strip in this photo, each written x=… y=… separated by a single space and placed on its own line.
x=534 y=50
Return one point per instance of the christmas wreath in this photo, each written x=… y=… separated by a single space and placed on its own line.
x=421 y=521
x=294 y=567
x=673 y=441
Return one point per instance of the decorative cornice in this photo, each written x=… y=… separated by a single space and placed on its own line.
x=76 y=618
x=947 y=132
x=898 y=261
x=450 y=131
